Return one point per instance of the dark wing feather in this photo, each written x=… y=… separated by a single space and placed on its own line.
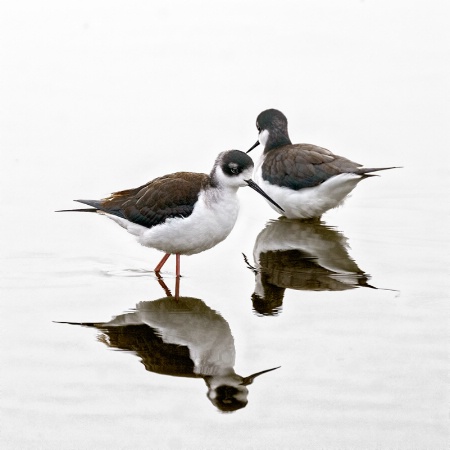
x=168 y=196
x=304 y=165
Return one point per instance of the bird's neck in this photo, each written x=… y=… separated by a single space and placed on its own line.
x=276 y=139
x=222 y=198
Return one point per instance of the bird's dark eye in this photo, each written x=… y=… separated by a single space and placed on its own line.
x=234 y=170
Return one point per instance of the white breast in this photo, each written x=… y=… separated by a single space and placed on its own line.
x=211 y=221
x=311 y=202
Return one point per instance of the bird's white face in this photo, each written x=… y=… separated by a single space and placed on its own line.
x=263 y=137
x=235 y=180
x=246 y=175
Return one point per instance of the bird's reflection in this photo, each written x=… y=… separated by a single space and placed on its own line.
x=303 y=255
x=183 y=338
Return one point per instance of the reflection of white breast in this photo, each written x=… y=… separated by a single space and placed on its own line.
x=205 y=333
x=326 y=245
x=305 y=255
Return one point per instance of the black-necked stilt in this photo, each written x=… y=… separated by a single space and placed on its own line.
x=184 y=338
x=306 y=180
x=182 y=213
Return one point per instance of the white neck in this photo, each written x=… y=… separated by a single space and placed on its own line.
x=263 y=137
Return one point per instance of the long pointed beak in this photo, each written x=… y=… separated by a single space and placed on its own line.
x=255 y=187
x=253 y=146
x=249 y=380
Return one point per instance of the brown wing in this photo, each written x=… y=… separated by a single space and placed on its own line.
x=168 y=196
x=304 y=165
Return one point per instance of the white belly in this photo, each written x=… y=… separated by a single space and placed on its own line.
x=211 y=221
x=311 y=202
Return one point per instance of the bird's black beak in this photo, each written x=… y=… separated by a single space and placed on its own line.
x=256 y=188
x=253 y=146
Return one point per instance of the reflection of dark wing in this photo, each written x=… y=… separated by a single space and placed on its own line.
x=295 y=269
x=304 y=165
x=168 y=196
x=156 y=355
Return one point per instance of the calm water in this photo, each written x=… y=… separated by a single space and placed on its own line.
x=352 y=311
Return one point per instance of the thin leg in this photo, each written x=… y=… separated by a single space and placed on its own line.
x=178 y=265
x=161 y=263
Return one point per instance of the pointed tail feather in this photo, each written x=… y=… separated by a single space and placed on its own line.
x=78 y=210
x=368 y=171
x=82 y=324
x=94 y=203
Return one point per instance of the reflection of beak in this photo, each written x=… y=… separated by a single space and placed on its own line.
x=255 y=187
x=249 y=380
x=253 y=146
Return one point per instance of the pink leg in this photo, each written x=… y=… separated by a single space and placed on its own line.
x=178 y=265
x=161 y=263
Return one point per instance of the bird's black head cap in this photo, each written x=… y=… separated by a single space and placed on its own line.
x=270 y=119
x=234 y=162
x=275 y=123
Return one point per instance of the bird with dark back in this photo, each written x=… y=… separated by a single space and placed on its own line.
x=183 y=213
x=305 y=179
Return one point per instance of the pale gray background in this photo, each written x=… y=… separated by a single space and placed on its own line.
x=98 y=96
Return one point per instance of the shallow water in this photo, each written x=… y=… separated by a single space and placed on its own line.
x=352 y=311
